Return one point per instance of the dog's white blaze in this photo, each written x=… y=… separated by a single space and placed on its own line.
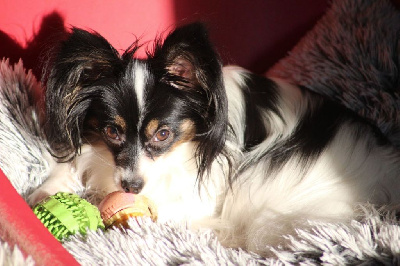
x=140 y=81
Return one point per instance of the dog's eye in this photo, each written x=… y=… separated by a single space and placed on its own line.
x=112 y=133
x=161 y=135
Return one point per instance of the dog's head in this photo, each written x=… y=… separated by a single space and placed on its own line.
x=143 y=110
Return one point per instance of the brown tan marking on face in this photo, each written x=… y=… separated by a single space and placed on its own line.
x=151 y=128
x=188 y=132
x=120 y=122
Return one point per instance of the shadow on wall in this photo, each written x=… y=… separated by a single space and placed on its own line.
x=256 y=35
x=51 y=31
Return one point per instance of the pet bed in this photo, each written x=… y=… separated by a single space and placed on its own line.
x=351 y=56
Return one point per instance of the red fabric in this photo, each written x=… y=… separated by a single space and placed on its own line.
x=19 y=226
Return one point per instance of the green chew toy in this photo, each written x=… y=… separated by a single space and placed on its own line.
x=65 y=214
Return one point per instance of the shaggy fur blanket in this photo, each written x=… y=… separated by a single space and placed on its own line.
x=352 y=56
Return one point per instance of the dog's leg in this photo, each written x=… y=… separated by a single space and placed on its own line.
x=61 y=179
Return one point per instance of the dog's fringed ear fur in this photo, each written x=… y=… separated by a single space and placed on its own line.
x=188 y=61
x=81 y=59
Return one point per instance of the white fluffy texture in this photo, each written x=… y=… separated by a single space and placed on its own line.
x=13 y=256
x=372 y=241
x=171 y=184
x=236 y=111
x=61 y=178
x=155 y=244
x=89 y=174
x=18 y=115
x=96 y=165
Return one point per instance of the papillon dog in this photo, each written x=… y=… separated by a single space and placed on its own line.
x=251 y=157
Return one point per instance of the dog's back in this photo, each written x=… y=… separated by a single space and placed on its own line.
x=318 y=161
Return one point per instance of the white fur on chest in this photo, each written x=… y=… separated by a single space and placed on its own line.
x=171 y=183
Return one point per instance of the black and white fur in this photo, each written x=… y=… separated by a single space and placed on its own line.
x=218 y=147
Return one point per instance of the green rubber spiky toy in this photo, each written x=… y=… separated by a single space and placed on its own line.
x=65 y=214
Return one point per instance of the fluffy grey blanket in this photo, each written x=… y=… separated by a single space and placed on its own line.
x=352 y=55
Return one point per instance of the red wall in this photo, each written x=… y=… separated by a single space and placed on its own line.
x=254 y=36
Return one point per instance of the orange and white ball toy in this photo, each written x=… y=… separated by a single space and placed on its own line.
x=117 y=207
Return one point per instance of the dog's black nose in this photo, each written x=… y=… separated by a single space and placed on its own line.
x=132 y=186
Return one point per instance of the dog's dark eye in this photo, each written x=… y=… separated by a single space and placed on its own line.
x=112 y=133
x=161 y=135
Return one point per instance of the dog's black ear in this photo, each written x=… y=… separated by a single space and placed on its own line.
x=80 y=61
x=187 y=58
x=188 y=61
